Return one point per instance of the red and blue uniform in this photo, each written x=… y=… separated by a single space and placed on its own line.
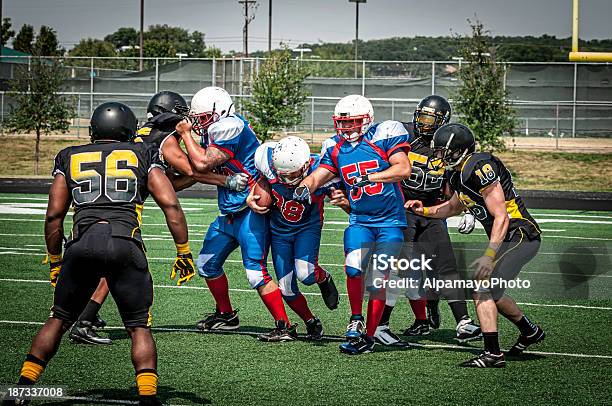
x=237 y=225
x=377 y=210
x=295 y=227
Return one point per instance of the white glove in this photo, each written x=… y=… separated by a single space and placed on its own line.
x=466 y=224
x=237 y=182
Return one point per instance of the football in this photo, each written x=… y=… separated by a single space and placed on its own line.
x=263 y=190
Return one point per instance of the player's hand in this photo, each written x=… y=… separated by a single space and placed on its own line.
x=415 y=205
x=338 y=198
x=252 y=203
x=54 y=271
x=184 y=127
x=302 y=194
x=362 y=181
x=467 y=223
x=484 y=267
x=237 y=182
x=184 y=267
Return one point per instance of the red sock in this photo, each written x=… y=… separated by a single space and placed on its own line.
x=418 y=308
x=375 y=311
x=354 y=287
x=320 y=274
x=300 y=307
x=274 y=303
x=220 y=291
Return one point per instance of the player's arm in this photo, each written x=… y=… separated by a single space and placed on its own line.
x=447 y=209
x=312 y=182
x=338 y=198
x=399 y=170
x=163 y=193
x=203 y=159
x=57 y=207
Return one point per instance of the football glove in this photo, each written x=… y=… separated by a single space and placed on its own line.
x=184 y=267
x=361 y=181
x=237 y=182
x=466 y=224
x=55 y=266
x=302 y=194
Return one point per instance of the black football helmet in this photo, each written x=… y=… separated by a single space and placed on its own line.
x=166 y=102
x=112 y=121
x=431 y=113
x=452 y=143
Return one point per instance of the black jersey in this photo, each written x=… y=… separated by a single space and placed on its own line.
x=157 y=130
x=425 y=182
x=479 y=171
x=107 y=181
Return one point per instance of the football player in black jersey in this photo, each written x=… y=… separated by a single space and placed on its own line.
x=482 y=184
x=107 y=182
x=431 y=235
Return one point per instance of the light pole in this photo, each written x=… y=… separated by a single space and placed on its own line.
x=141 y=33
x=269 y=26
x=356 y=23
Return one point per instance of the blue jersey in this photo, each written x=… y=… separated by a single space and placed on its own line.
x=288 y=215
x=377 y=204
x=233 y=136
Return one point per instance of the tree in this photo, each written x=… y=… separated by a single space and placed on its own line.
x=93 y=47
x=47 y=43
x=39 y=106
x=124 y=36
x=24 y=41
x=278 y=94
x=481 y=98
x=6 y=33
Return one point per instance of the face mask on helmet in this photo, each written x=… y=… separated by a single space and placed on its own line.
x=351 y=127
x=202 y=121
x=447 y=159
x=293 y=178
x=427 y=121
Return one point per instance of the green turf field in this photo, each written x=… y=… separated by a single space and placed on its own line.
x=573 y=365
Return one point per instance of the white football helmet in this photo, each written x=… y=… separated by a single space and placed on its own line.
x=353 y=116
x=290 y=159
x=208 y=106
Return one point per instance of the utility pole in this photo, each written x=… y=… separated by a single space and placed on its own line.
x=247 y=20
x=1 y=24
x=269 y=26
x=356 y=23
x=141 y=34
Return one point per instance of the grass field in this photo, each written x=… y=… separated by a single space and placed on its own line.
x=573 y=365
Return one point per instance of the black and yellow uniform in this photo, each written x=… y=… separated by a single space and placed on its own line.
x=157 y=130
x=108 y=184
x=522 y=240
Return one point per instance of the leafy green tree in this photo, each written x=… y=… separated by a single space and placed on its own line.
x=38 y=105
x=24 y=41
x=93 y=47
x=47 y=43
x=124 y=36
x=481 y=98
x=6 y=31
x=278 y=94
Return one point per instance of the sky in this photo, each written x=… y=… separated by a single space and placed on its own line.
x=311 y=21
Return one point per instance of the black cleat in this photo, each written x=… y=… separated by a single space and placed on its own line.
x=329 y=292
x=418 y=328
x=485 y=360
x=361 y=345
x=314 y=329
x=218 y=321
x=386 y=337
x=280 y=333
x=98 y=323
x=525 y=341
x=149 y=401
x=84 y=333
x=433 y=314
x=467 y=331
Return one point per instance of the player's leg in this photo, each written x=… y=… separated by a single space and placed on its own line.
x=131 y=286
x=218 y=244
x=356 y=240
x=84 y=330
x=73 y=289
x=252 y=232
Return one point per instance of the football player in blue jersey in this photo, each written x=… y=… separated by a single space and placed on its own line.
x=228 y=145
x=370 y=158
x=295 y=226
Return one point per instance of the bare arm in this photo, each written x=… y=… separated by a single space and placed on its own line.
x=400 y=169
x=59 y=203
x=317 y=178
x=174 y=155
x=495 y=202
x=165 y=197
x=202 y=159
x=447 y=209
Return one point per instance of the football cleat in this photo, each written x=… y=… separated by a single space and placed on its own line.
x=84 y=333
x=329 y=292
x=385 y=336
x=280 y=333
x=485 y=360
x=149 y=401
x=314 y=329
x=418 y=328
x=525 y=341
x=433 y=314
x=355 y=327
x=467 y=331
x=360 y=345
x=218 y=321
x=98 y=323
